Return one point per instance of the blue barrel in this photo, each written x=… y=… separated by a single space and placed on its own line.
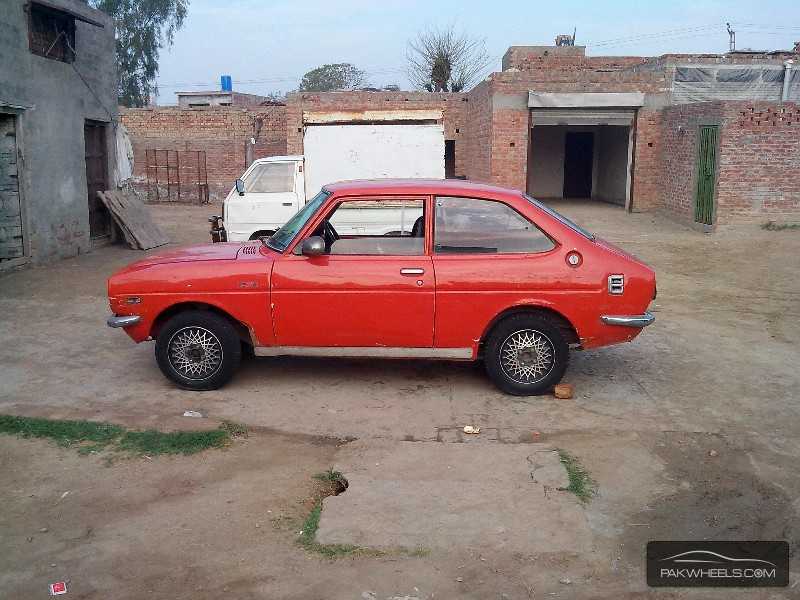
x=226 y=83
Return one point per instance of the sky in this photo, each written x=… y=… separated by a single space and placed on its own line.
x=266 y=46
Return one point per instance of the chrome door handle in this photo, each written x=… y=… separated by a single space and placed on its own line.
x=412 y=271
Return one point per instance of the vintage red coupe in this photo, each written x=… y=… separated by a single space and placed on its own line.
x=471 y=272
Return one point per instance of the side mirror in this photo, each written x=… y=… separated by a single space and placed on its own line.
x=240 y=187
x=313 y=246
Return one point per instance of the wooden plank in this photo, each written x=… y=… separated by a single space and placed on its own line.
x=133 y=219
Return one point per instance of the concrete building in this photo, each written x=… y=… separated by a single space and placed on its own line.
x=202 y=99
x=713 y=139
x=58 y=104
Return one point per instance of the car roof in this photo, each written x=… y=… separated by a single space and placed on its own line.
x=442 y=187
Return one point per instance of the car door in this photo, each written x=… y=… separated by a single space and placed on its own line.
x=270 y=198
x=366 y=291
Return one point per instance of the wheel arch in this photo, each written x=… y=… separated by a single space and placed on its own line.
x=564 y=324
x=172 y=310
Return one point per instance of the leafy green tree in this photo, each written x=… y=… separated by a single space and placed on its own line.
x=331 y=78
x=143 y=28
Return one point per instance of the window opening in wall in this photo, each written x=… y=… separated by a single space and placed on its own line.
x=51 y=33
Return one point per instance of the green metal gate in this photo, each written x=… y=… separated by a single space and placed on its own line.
x=706 y=174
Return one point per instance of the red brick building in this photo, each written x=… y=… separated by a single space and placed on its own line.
x=712 y=139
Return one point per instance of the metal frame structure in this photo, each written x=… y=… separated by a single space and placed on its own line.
x=164 y=182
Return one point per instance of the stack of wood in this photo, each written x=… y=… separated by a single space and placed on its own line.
x=133 y=219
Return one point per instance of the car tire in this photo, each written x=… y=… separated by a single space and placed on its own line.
x=526 y=354
x=198 y=350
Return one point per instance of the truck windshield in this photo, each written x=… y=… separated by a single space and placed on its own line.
x=558 y=216
x=281 y=239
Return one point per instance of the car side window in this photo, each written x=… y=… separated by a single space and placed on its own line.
x=472 y=226
x=270 y=178
x=377 y=227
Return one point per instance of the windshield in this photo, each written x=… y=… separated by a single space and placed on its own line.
x=281 y=239
x=558 y=216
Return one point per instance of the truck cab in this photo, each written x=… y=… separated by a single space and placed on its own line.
x=268 y=193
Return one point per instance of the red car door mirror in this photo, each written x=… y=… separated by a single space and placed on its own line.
x=313 y=246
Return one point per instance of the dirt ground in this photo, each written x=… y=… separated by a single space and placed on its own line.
x=691 y=432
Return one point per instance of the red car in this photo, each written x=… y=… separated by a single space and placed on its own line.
x=471 y=272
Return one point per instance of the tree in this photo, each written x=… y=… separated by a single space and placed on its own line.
x=444 y=60
x=331 y=78
x=143 y=28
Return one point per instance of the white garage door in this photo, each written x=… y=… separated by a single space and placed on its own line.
x=341 y=152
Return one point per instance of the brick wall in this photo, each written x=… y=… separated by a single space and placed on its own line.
x=453 y=106
x=758 y=172
x=478 y=139
x=569 y=73
x=222 y=132
x=510 y=138
x=647 y=181
x=759 y=162
x=680 y=132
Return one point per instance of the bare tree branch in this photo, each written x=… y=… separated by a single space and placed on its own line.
x=444 y=60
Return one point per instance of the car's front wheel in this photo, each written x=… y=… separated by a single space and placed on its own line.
x=198 y=350
x=526 y=354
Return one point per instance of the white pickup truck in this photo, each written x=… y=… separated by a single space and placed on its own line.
x=273 y=189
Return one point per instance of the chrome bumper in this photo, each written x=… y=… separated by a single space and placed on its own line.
x=126 y=321
x=637 y=321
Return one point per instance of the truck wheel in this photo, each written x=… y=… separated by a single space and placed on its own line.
x=526 y=355
x=198 y=350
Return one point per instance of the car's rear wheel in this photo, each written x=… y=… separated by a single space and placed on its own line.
x=526 y=354
x=198 y=350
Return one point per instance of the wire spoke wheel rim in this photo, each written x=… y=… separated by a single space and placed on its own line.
x=527 y=356
x=195 y=352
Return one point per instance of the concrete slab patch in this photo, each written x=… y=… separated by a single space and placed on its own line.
x=437 y=495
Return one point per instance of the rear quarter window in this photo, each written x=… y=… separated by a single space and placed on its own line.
x=472 y=226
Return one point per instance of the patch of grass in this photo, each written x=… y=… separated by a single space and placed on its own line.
x=65 y=433
x=311 y=524
x=418 y=552
x=94 y=437
x=773 y=226
x=234 y=429
x=153 y=442
x=580 y=483
x=331 y=476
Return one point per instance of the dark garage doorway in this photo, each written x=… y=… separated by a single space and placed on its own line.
x=94 y=135
x=578 y=159
x=449 y=159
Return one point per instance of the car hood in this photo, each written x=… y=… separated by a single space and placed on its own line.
x=223 y=251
